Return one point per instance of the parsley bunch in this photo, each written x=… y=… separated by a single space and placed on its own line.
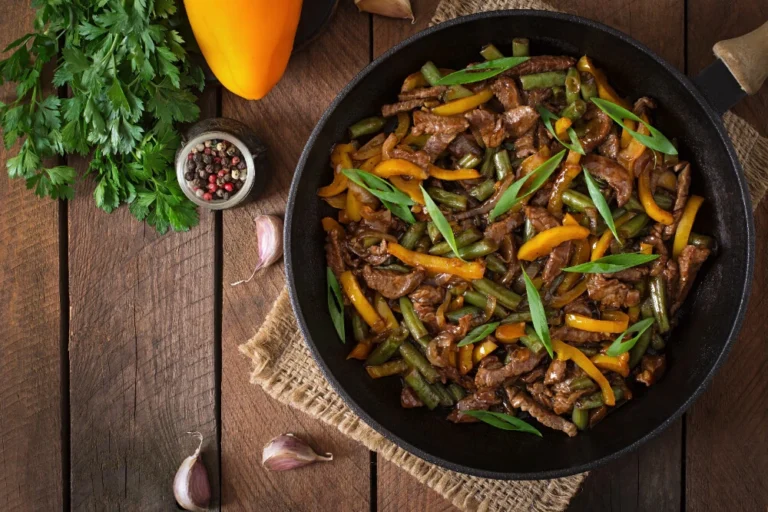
x=129 y=78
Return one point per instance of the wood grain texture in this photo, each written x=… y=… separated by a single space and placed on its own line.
x=30 y=393
x=249 y=417
x=142 y=371
x=726 y=441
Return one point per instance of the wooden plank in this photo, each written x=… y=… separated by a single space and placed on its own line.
x=249 y=417
x=142 y=366
x=30 y=374
x=726 y=445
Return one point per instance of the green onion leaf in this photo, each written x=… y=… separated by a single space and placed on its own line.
x=613 y=263
x=540 y=176
x=538 y=315
x=656 y=140
x=440 y=222
x=547 y=117
x=478 y=333
x=618 y=347
x=335 y=304
x=482 y=71
x=600 y=203
x=503 y=421
x=392 y=198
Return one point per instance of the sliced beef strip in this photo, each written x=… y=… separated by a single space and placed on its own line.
x=555 y=372
x=389 y=144
x=631 y=275
x=565 y=333
x=611 y=145
x=334 y=252
x=671 y=274
x=683 y=186
x=617 y=177
x=660 y=264
x=426 y=313
x=391 y=284
x=425 y=122
x=464 y=144
x=420 y=158
x=426 y=294
x=579 y=306
x=563 y=402
x=480 y=400
x=541 y=219
x=401 y=106
x=597 y=129
x=558 y=259
x=532 y=376
x=506 y=92
x=690 y=261
x=611 y=293
x=536 y=97
x=643 y=106
x=541 y=197
x=489 y=124
x=499 y=229
x=525 y=144
x=409 y=400
x=438 y=143
x=540 y=393
x=540 y=64
x=440 y=349
x=375 y=255
x=521 y=361
x=519 y=399
x=431 y=93
x=651 y=369
x=519 y=120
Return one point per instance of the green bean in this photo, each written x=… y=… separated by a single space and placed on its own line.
x=657 y=342
x=531 y=340
x=462 y=239
x=484 y=190
x=558 y=94
x=423 y=244
x=456 y=92
x=433 y=232
x=542 y=80
x=478 y=299
x=469 y=161
x=456 y=314
x=580 y=418
x=703 y=241
x=366 y=126
x=528 y=230
x=642 y=287
x=664 y=200
x=413 y=234
x=588 y=87
x=478 y=249
x=446 y=399
x=359 y=327
x=633 y=226
x=659 y=302
x=581 y=382
x=504 y=296
x=502 y=164
x=646 y=308
x=637 y=352
x=423 y=390
x=525 y=316
x=490 y=52
x=449 y=199
x=577 y=201
x=520 y=47
x=634 y=205
x=456 y=391
x=574 y=110
x=431 y=74
x=572 y=85
x=488 y=165
x=419 y=141
x=417 y=360
x=387 y=369
x=412 y=322
x=395 y=267
x=384 y=352
x=495 y=264
x=589 y=351
x=596 y=400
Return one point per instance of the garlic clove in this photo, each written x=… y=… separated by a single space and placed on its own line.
x=269 y=234
x=190 y=485
x=390 y=8
x=287 y=452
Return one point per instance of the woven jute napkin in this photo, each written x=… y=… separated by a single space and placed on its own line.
x=285 y=369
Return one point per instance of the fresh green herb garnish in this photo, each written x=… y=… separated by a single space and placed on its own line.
x=503 y=421
x=540 y=175
x=613 y=263
x=127 y=68
x=538 y=315
x=482 y=71
x=335 y=304
x=618 y=347
x=392 y=198
x=440 y=222
x=547 y=117
x=478 y=333
x=600 y=203
x=656 y=140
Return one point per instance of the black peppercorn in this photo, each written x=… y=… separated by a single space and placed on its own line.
x=198 y=183
x=191 y=165
x=202 y=173
x=189 y=175
x=209 y=168
x=225 y=162
x=238 y=184
x=241 y=165
x=198 y=158
x=225 y=196
x=207 y=159
x=227 y=178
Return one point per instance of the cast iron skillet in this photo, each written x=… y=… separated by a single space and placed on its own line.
x=709 y=321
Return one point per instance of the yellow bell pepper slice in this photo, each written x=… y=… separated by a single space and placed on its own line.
x=465 y=359
x=646 y=199
x=361 y=351
x=370 y=164
x=410 y=187
x=686 y=224
x=627 y=137
x=571 y=170
x=569 y=296
x=566 y=352
x=633 y=148
x=399 y=167
x=570 y=220
x=458 y=174
x=543 y=243
x=340 y=159
x=561 y=128
x=382 y=308
x=462 y=105
x=338 y=202
x=646 y=248
x=356 y=296
x=584 y=323
x=604 y=90
x=468 y=270
x=337 y=186
x=668 y=180
x=482 y=350
x=354 y=206
x=601 y=246
x=619 y=364
x=330 y=224
x=510 y=333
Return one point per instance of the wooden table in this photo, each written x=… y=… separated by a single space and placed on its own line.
x=116 y=341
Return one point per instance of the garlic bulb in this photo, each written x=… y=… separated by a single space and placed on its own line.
x=190 y=485
x=269 y=234
x=390 y=8
x=288 y=452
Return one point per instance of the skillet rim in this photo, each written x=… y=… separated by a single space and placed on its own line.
x=686 y=82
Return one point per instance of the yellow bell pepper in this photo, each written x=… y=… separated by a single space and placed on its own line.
x=337 y=186
x=399 y=167
x=338 y=202
x=570 y=220
x=462 y=105
x=572 y=169
x=465 y=359
x=633 y=148
x=646 y=199
x=354 y=206
x=627 y=137
x=646 y=248
x=330 y=224
x=543 y=243
x=410 y=187
x=340 y=159
x=602 y=244
x=466 y=270
x=248 y=45
x=619 y=364
x=510 y=333
x=686 y=224
x=633 y=313
x=403 y=125
x=584 y=323
x=566 y=352
x=482 y=350
x=448 y=175
x=356 y=296
x=604 y=90
x=569 y=296
x=561 y=128
x=382 y=308
x=361 y=351
x=668 y=180
x=370 y=164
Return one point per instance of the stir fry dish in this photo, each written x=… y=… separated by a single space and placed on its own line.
x=513 y=241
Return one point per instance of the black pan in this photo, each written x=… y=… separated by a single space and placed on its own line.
x=709 y=321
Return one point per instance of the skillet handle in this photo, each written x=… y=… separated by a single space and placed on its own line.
x=746 y=57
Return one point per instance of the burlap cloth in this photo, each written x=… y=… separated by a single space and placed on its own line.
x=285 y=369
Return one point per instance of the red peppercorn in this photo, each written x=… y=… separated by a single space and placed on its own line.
x=207 y=196
x=223 y=173
x=217 y=159
x=212 y=178
x=235 y=160
x=207 y=151
x=190 y=156
x=213 y=187
x=229 y=187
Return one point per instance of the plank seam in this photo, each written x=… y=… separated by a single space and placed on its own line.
x=218 y=304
